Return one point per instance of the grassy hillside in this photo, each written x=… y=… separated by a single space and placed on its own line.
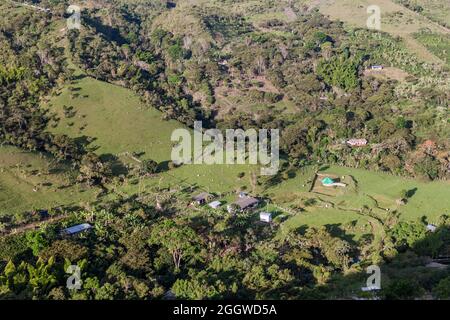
x=375 y=195
x=118 y=122
x=116 y=119
x=31 y=181
x=437 y=11
x=113 y=121
x=92 y=105
x=396 y=20
x=439 y=44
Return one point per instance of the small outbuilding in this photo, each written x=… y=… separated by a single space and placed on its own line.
x=370 y=288
x=215 y=204
x=44 y=214
x=357 y=142
x=76 y=229
x=377 y=67
x=245 y=203
x=431 y=228
x=202 y=198
x=265 y=217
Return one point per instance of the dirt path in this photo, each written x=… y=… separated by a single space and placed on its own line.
x=24 y=4
x=33 y=225
x=421 y=51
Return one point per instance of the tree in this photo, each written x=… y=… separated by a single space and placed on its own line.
x=428 y=167
x=180 y=240
x=31 y=280
x=408 y=233
x=234 y=208
x=106 y=292
x=442 y=290
x=36 y=242
x=198 y=287
x=335 y=250
x=65 y=249
x=175 y=52
x=402 y=289
x=149 y=166
x=340 y=71
x=93 y=169
x=136 y=257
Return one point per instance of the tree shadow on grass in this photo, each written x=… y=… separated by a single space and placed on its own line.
x=117 y=167
x=110 y=33
x=84 y=142
x=163 y=166
x=336 y=231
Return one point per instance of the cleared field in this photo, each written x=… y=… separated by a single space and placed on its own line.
x=30 y=181
x=431 y=199
x=115 y=118
x=389 y=73
x=374 y=192
x=439 y=44
x=438 y=11
x=395 y=19
x=118 y=123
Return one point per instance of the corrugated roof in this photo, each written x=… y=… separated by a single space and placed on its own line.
x=244 y=203
x=215 y=204
x=202 y=196
x=77 y=229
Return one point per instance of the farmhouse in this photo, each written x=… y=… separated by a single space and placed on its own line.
x=245 y=203
x=202 y=198
x=357 y=142
x=76 y=229
x=265 y=217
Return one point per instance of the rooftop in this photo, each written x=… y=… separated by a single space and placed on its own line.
x=215 y=204
x=246 y=202
x=77 y=229
x=202 y=196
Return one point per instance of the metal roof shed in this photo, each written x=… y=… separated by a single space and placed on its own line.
x=202 y=197
x=265 y=217
x=247 y=202
x=215 y=204
x=76 y=229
